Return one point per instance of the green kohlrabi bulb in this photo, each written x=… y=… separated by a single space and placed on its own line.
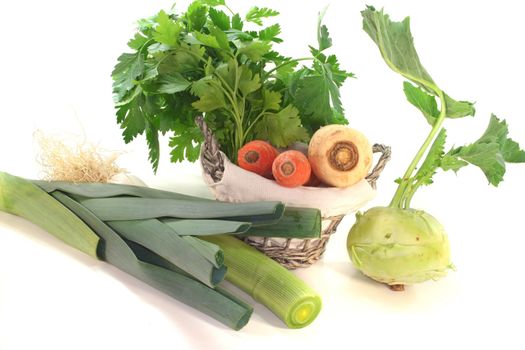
x=399 y=246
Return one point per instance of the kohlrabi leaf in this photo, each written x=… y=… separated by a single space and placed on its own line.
x=489 y=152
x=497 y=132
x=432 y=161
x=459 y=109
x=423 y=101
x=396 y=44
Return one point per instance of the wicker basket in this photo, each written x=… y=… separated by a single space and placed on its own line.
x=291 y=253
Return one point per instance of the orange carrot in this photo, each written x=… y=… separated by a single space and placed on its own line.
x=291 y=169
x=257 y=156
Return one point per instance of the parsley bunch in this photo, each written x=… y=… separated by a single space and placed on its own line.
x=204 y=61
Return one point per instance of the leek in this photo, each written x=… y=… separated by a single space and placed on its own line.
x=296 y=223
x=218 y=304
x=287 y=296
x=22 y=198
x=161 y=239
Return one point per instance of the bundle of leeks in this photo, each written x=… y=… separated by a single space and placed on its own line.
x=169 y=241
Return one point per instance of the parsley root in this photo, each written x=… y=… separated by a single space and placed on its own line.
x=339 y=156
x=291 y=169
x=257 y=156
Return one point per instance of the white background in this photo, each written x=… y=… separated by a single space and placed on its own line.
x=56 y=59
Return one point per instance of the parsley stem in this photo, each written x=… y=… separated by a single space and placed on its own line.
x=400 y=195
x=289 y=62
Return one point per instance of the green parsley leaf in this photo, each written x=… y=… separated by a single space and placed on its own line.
x=185 y=143
x=211 y=96
x=138 y=41
x=167 y=31
x=270 y=33
x=255 y=49
x=196 y=16
x=248 y=81
x=152 y=139
x=131 y=119
x=221 y=37
x=172 y=83
x=213 y=2
x=129 y=67
x=323 y=37
x=220 y=19
x=206 y=40
x=281 y=129
x=237 y=22
x=272 y=100
x=256 y=14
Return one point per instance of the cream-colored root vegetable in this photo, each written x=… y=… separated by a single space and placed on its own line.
x=340 y=156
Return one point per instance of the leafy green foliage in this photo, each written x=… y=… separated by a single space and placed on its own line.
x=432 y=162
x=315 y=91
x=256 y=14
x=167 y=31
x=421 y=100
x=220 y=19
x=270 y=33
x=396 y=45
x=489 y=152
x=203 y=62
x=281 y=128
x=323 y=37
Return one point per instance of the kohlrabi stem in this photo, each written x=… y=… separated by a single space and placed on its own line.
x=399 y=196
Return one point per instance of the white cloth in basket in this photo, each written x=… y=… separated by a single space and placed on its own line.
x=239 y=185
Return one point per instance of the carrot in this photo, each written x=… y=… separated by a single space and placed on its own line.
x=291 y=169
x=257 y=156
x=339 y=156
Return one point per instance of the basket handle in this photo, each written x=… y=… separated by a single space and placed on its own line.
x=211 y=158
x=213 y=163
x=386 y=154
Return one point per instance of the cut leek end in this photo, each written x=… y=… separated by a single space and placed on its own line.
x=217 y=275
x=304 y=312
x=243 y=321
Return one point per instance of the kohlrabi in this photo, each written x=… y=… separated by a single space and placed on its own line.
x=398 y=245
